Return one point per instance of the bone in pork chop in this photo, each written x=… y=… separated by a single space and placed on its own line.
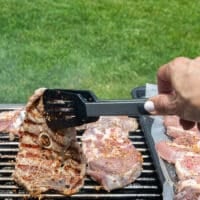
x=112 y=159
x=47 y=160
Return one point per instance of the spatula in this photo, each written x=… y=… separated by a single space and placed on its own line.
x=69 y=108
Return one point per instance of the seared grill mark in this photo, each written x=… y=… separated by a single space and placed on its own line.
x=35 y=117
x=29 y=146
x=35 y=130
x=28 y=154
x=32 y=168
x=28 y=133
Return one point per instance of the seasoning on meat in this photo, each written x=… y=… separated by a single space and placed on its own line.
x=174 y=129
x=47 y=160
x=184 y=152
x=112 y=159
x=124 y=122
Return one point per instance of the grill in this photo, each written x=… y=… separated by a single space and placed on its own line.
x=147 y=186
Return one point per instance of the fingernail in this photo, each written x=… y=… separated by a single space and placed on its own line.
x=149 y=106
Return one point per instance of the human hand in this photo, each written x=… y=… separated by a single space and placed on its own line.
x=179 y=90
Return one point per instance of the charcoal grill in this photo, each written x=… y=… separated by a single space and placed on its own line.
x=147 y=186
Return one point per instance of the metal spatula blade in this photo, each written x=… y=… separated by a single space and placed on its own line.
x=65 y=108
x=68 y=108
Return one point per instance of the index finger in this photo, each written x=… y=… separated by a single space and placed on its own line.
x=164 y=80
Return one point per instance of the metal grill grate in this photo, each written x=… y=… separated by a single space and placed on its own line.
x=147 y=186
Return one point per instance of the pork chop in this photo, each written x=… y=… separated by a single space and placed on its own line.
x=184 y=152
x=174 y=129
x=112 y=159
x=124 y=122
x=170 y=151
x=188 y=166
x=188 y=189
x=47 y=159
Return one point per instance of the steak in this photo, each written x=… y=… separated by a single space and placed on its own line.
x=111 y=158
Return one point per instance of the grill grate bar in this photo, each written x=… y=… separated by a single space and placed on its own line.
x=7 y=164
x=15 y=144
x=7 y=156
x=6 y=137
x=13 y=156
x=6 y=171
x=13 y=164
x=11 y=170
x=130 y=186
x=9 y=150
x=9 y=143
x=6 y=179
x=147 y=164
x=140 y=137
x=8 y=187
x=93 y=187
x=145 y=156
x=85 y=196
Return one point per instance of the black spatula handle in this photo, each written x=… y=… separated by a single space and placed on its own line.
x=134 y=108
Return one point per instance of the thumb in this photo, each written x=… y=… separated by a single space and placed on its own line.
x=162 y=104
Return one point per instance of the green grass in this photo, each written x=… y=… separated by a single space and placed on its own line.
x=108 y=46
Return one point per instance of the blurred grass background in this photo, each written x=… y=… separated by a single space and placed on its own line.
x=108 y=46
